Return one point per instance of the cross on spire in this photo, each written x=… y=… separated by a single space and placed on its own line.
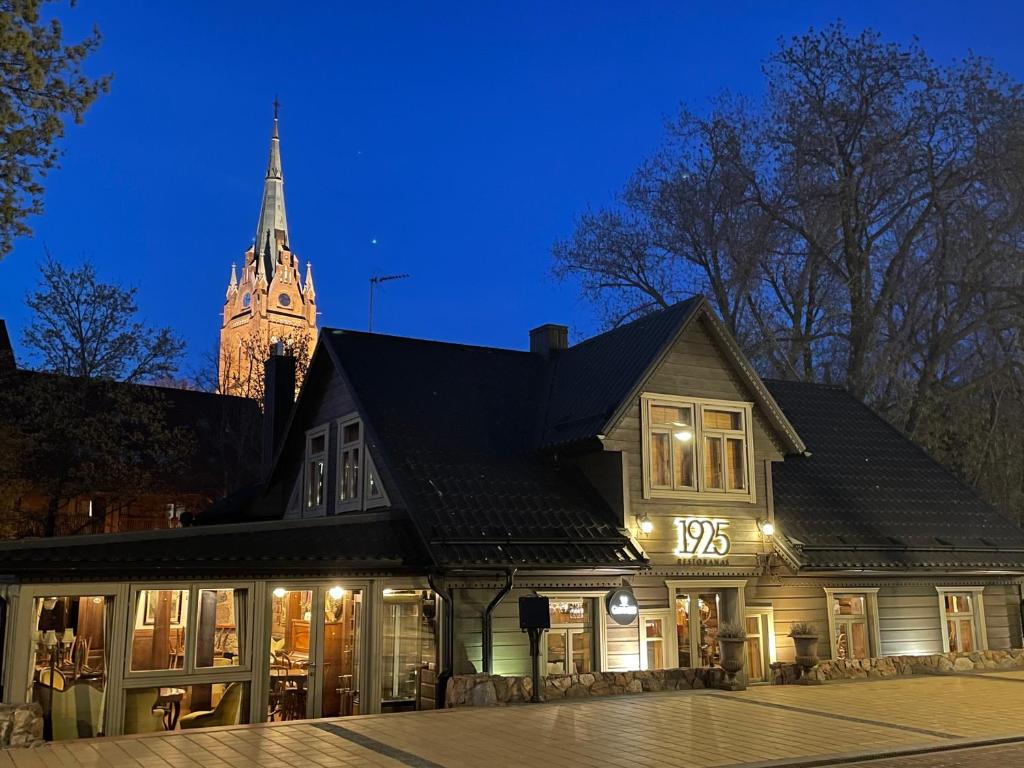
x=277 y=106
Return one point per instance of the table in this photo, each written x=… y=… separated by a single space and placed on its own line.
x=169 y=700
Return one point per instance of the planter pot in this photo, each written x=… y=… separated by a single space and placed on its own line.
x=732 y=661
x=806 y=657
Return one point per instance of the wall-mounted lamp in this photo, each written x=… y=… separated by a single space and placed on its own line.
x=645 y=524
x=767 y=527
x=280 y=592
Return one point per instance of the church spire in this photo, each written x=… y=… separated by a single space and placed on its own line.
x=272 y=227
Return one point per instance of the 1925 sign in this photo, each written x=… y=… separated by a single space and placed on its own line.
x=701 y=537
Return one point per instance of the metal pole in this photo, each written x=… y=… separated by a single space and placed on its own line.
x=535 y=635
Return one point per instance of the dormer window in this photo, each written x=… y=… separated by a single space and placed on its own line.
x=315 y=477
x=358 y=485
x=694 y=447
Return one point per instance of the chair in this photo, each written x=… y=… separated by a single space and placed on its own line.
x=140 y=712
x=53 y=678
x=226 y=712
x=75 y=711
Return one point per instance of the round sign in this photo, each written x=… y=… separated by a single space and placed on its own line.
x=622 y=606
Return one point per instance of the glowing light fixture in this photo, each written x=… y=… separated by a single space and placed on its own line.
x=388 y=591
x=646 y=525
x=767 y=527
x=684 y=433
x=280 y=592
x=336 y=593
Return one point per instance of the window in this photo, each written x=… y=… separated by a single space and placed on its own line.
x=316 y=461
x=963 y=619
x=569 y=644
x=754 y=648
x=188 y=630
x=652 y=642
x=851 y=627
x=853 y=622
x=70 y=659
x=696 y=447
x=349 y=462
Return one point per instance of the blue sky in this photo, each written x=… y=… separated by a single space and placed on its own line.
x=462 y=137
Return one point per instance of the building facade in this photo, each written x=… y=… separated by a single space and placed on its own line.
x=272 y=300
x=416 y=489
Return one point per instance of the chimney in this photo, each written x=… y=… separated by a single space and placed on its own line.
x=7 y=361
x=549 y=338
x=278 y=399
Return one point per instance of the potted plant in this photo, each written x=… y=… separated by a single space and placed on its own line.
x=731 y=640
x=805 y=639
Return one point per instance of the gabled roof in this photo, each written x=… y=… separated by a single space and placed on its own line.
x=457 y=428
x=869 y=497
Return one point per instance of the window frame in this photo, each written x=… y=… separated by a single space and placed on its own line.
x=348 y=505
x=190 y=673
x=870 y=595
x=977 y=615
x=698 y=406
x=308 y=457
x=668 y=638
x=599 y=624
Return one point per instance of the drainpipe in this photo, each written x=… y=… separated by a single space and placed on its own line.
x=488 y=628
x=447 y=641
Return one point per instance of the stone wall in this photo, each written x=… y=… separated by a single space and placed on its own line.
x=784 y=673
x=497 y=690
x=21 y=725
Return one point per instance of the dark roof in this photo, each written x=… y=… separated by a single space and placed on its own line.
x=458 y=428
x=867 y=496
x=225 y=430
x=307 y=547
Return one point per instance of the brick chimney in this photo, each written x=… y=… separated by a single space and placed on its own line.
x=278 y=399
x=549 y=338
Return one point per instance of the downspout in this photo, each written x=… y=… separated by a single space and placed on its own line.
x=447 y=641
x=488 y=628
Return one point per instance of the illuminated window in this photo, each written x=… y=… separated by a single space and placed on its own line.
x=350 y=462
x=851 y=627
x=696 y=447
x=569 y=644
x=962 y=612
x=652 y=642
x=158 y=637
x=316 y=462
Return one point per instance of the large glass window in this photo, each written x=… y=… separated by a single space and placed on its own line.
x=697 y=620
x=291 y=615
x=70 y=658
x=682 y=436
x=159 y=630
x=653 y=639
x=754 y=648
x=205 y=705
x=221 y=623
x=570 y=641
x=851 y=627
x=409 y=647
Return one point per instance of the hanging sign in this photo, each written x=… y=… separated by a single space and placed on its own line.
x=701 y=537
x=622 y=606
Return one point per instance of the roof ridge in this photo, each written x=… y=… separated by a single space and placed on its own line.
x=419 y=340
x=633 y=322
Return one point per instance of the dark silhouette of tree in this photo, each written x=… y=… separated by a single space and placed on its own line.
x=42 y=86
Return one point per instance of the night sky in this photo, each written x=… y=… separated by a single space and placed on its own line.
x=463 y=138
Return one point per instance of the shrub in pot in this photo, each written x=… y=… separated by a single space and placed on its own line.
x=732 y=639
x=805 y=639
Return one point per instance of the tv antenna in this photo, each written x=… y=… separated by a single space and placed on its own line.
x=374 y=282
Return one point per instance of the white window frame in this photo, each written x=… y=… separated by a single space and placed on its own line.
x=308 y=458
x=699 y=406
x=600 y=626
x=765 y=615
x=348 y=505
x=668 y=639
x=977 y=615
x=870 y=595
x=367 y=469
x=189 y=673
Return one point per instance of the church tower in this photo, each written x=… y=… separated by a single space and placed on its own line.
x=270 y=301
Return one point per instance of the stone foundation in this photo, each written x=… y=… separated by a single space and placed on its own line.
x=498 y=690
x=21 y=725
x=786 y=673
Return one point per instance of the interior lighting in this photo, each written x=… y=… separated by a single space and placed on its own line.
x=280 y=592
x=336 y=593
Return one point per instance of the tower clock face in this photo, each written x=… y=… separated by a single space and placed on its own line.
x=247 y=300
x=284 y=300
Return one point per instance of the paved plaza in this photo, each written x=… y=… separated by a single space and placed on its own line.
x=793 y=725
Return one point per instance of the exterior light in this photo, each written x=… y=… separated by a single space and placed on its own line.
x=388 y=591
x=645 y=524
x=336 y=593
x=767 y=527
x=280 y=592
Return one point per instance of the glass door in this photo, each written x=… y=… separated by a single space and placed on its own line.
x=313 y=665
x=698 y=615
